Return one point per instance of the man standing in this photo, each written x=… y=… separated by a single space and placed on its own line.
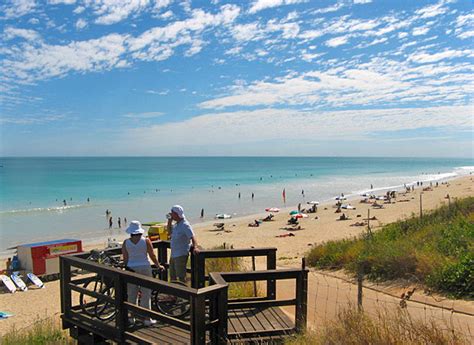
x=182 y=235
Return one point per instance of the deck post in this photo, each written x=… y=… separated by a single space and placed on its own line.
x=65 y=274
x=198 y=320
x=122 y=313
x=222 y=315
x=301 y=300
x=198 y=270
x=271 y=265
x=163 y=259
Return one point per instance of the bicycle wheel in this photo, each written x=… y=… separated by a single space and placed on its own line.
x=170 y=304
x=88 y=303
x=97 y=307
x=105 y=310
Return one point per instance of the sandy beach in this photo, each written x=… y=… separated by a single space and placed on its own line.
x=27 y=307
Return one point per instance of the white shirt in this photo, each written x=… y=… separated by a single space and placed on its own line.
x=137 y=253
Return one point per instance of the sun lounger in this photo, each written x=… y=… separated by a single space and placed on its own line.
x=219 y=226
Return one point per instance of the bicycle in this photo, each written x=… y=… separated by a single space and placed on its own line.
x=97 y=307
x=167 y=304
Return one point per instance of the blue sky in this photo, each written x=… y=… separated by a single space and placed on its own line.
x=260 y=77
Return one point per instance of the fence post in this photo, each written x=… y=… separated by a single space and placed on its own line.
x=421 y=205
x=253 y=269
x=360 y=280
x=301 y=311
x=271 y=265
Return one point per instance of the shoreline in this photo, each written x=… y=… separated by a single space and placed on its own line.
x=118 y=234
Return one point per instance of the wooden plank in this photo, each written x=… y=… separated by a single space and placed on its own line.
x=156 y=315
x=262 y=321
x=282 y=317
x=243 y=314
x=164 y=334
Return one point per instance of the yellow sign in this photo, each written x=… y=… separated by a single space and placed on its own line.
x=63 y=249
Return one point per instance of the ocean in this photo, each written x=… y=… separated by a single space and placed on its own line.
x=51 y=198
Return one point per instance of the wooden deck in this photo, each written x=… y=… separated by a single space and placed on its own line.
x=213 y=317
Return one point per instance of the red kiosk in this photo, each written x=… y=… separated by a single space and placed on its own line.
x=42 y=258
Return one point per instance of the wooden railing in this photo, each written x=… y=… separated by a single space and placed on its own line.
x=209 y=305
x=198 y=325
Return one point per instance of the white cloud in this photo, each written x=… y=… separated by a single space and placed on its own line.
x=423 y=57
x=259 y=5
x=466 y=35
x=419 y=31
x=39 y=60
x=378 y=82
x=146 y=115
x=362 y=1
x=65 y=2
x=161 y=93
x=337 y=41
x=81 y=24
x=332 y=8
x=431 y=11
x=31 y=120
x=18 y=8
x=227 y=128
x=114 y=11
x=29 y=35
x=79 y=10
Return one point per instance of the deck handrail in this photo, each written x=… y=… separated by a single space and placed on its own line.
x=301 y=290
x=214 y=296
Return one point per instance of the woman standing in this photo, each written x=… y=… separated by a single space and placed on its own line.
x=135 y=251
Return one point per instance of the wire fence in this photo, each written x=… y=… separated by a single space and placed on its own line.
x=329 y=293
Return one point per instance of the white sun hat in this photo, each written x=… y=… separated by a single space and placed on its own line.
x=135 y=228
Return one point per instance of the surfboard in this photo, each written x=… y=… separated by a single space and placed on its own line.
x=35 y=280
x=4 y=315
x=8 y=283
x=19 y=282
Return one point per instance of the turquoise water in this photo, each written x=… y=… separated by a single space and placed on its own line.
x=144 y=188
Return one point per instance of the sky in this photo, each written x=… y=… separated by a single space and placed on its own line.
x=236 y=78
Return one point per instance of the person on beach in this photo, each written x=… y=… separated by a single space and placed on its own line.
x=202 y=213
x=119 y=222
x=182 y=235
x=253 y=195
x=135 y=251
x=111 y=223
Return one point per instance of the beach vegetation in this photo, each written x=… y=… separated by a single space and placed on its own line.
x=386 y=326
x=43 y=331
x=436 y=250
x=234 y=264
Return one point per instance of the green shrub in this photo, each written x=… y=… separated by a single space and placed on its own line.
x=435 y=250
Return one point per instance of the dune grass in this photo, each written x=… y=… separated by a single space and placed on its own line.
x=236 y=290
x=394 y=327
x=436 y=250
x=44 y=331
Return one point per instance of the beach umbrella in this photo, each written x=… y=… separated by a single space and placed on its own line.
x=300 y=215
x=313 y=202
x=292 y=213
